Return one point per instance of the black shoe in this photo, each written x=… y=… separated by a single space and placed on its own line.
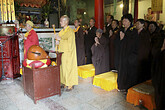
x=68 y=90
x=62 y=86
x=121 y=90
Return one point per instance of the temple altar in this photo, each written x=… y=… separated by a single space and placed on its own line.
x=46 y=40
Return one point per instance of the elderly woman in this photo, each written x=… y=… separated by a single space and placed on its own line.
x=100 y=53
x=113 y=45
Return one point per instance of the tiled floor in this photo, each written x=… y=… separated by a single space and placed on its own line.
x=83 y=97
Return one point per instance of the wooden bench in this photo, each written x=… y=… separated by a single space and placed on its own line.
x=107 y=81
x=86 y=71
x=142 y=94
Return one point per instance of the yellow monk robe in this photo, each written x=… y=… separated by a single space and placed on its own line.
x=68 y=69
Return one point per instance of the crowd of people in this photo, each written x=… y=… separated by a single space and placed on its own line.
x=130 y=49
x=136 y=51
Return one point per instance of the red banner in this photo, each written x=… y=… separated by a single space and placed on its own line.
x=32 y=3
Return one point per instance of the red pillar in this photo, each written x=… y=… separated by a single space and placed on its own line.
x=99 y=13
x=136 y=11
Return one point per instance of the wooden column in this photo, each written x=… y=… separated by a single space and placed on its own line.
x=99 y=13
x=136 y=10
x=126 y=7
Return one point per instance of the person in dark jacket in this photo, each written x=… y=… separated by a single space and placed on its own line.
x=144 y=60
x=156 y=38
x=128 y=60
x=158 y=78
x=100 y=54
x=90 y=35
x=108 y=25
x=80 y=47
x=112 y=36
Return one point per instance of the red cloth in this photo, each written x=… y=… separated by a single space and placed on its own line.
x=136 y=10
x=32 y=39
x=37 y=63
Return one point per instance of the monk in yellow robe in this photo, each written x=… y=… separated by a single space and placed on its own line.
x=66 y=41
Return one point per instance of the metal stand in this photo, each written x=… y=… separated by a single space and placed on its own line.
x=3 y=76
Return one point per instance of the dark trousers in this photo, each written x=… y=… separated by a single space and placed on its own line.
x=89 y=55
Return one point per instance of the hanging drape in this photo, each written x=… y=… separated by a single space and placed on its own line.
x=1 y=10
x=4 y=11
x=12 y=10
x=7 y=10
x=157 y=6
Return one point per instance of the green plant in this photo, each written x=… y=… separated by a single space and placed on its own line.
x=17 y=6
x=46 y=9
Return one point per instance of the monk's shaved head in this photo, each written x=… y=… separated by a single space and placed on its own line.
x=65 y=17
x=64 y=21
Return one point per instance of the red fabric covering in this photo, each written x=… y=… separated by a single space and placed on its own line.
x=37 y=63
x=48 y=62
x=15 y=29
x=32 y=39
x=24 y=63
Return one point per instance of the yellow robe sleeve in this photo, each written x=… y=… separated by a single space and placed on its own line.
x=66 y=42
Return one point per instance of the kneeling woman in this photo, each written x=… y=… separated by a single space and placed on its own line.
x=100 y=53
